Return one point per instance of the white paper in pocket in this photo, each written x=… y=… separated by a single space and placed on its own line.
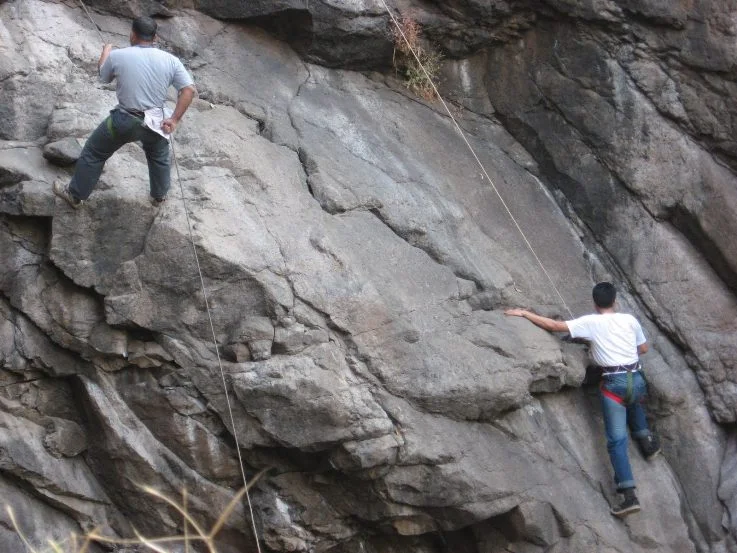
x=153 y=118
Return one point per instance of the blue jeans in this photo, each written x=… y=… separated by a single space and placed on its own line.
x=616 y=419
x=118 y=129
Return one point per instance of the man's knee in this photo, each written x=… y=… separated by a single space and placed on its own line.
x=91 y=155
x=617 y=440
x=98 y=148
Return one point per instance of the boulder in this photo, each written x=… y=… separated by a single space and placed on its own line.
x=64 y=438
x=63 y=152
x=282 y=393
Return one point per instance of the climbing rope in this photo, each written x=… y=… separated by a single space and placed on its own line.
x=95 y=25
x=215 y=343
x=473 y=153
x=209 y=317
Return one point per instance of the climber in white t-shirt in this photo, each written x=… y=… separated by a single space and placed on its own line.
x=617 y=341
x=615 y=337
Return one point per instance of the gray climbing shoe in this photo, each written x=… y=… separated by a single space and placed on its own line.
x=629 y=505
x=62 y=190
x=649 y=446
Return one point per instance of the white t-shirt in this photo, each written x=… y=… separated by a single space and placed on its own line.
x=614 y=337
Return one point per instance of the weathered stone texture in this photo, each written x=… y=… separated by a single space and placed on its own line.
x=356 y=263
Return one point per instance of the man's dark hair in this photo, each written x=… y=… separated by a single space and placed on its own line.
x=604 y=294
x=145 y=28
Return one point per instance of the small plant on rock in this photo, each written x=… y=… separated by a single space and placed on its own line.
x=411 y=54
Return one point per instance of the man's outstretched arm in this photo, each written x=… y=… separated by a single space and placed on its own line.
x=538 y=320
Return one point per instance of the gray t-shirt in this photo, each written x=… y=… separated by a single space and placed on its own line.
x=143 y=74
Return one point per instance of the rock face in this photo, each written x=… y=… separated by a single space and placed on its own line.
x=356 y=263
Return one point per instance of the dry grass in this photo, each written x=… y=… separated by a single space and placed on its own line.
x=409 y=46
x=194 y=533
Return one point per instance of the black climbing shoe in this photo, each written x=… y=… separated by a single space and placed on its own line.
x=62 y=190
x=628 y=506
x=156 y=202
x=649 y=446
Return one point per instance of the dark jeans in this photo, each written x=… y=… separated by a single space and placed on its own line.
x=118 y=129
x=616 y=419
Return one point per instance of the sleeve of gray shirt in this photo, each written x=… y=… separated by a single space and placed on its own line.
x=181 y=77
x=106 y=71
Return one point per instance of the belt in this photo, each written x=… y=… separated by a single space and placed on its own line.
x=621 y=369
x=134 y=112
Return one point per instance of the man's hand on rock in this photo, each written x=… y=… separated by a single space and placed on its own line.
x=515 y=312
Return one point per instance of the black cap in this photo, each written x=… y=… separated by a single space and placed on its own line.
x=145 y=28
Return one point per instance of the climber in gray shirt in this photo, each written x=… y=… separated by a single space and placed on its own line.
x=143 y=75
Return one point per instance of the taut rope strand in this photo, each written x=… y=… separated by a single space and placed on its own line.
x=473 y=152
x=217 y=350
x=95 y=25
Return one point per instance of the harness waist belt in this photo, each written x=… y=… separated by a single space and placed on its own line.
x=621 y=369
x=134 y=112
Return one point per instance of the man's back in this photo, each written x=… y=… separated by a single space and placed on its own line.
x=143 y=75
x=614 y=337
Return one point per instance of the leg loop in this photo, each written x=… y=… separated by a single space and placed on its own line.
x=611 y=395
x=630 y=389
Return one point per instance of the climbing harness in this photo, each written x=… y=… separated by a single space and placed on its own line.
x=629 y=370
x=209 y=316
x=473 y=153
x=621 y=369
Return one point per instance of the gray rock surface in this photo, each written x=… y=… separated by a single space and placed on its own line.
x=63 y=152
x=356 y=263
x=652 y=176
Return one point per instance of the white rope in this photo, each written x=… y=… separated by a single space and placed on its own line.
x=95 y=25
x=473 y=152
x=217 y=350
